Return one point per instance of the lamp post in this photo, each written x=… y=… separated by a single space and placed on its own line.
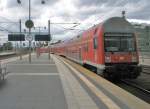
x=29 y=32
x=49 y=33
x=20 y=41
x=29 y=24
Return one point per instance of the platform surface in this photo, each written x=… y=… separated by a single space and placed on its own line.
x=32 y=86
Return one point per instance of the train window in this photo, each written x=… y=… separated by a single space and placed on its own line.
x=117 y=44
x=127 y=44
x=95 y=43
x=86 y=47
x=147 y=43
x=112 y=43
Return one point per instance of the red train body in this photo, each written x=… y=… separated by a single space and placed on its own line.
x=110 y=47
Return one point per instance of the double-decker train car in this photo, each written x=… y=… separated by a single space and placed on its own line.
x=110 y=47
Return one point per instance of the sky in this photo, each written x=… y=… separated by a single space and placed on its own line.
x=85 y=12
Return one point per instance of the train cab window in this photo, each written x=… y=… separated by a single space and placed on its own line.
x=119 y=43
x=127 y=44
x=95 y=43
x=112 y=43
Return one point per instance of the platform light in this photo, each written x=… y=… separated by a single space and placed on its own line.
x=19 y=1
x=107 y=58
x=123 y=14
x=43 y=2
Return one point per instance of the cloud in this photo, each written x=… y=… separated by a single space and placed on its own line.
x=14 y=4
x=87 y=12
x=89 y=2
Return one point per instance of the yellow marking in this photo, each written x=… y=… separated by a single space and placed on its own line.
x=106 y=100
x=121 y=58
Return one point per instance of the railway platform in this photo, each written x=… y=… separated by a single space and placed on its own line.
x=7 y=53
x=60 y=84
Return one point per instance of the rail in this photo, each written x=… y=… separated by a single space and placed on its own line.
x=136 y=86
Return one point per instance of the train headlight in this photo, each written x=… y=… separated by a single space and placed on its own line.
x=107 y=59
x=134 y=59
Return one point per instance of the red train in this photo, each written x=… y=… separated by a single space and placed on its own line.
x=110 y=47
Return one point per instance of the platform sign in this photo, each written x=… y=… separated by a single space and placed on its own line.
x=16 y=37
x=42 y=37
x=29 y=37
x=29 y=24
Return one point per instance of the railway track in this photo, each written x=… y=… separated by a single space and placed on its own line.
x=147 y=91
x=135 y=89
x=131 y=86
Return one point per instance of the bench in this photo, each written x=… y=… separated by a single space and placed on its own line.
x=3 y=72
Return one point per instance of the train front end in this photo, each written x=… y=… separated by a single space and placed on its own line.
x=120 y=49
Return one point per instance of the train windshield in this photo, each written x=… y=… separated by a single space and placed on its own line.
x=119 y=43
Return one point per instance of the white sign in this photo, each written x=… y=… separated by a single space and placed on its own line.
x=29 y=37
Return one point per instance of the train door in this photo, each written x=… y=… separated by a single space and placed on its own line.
x=95 y=45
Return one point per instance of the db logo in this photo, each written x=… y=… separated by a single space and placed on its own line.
x=29 y=38
x=121 y=58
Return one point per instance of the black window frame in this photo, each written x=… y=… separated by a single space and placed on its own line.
x=120 y=35
x=95 y=42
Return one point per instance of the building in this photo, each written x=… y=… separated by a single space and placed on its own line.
x=143 y=37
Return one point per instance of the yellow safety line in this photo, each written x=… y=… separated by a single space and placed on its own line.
x=106 y=100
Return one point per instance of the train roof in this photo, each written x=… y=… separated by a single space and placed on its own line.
x=113 y=24
x=118 y=24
